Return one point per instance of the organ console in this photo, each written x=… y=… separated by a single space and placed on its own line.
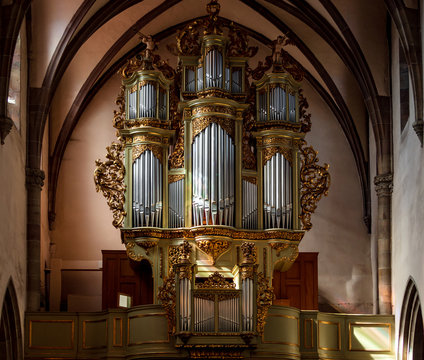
x=211 y=180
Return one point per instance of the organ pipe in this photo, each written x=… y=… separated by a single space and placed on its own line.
x=147 y=190
x=213 y=174
x=278 y=183
x=250 y=205
x=176 y=204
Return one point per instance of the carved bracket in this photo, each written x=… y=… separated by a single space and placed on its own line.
x=315 y=182
x=286 y=255
x=109 y=179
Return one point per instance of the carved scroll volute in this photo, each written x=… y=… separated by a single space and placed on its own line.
x=214 y=248
x=109 y=179
x=315 y=182
x=284 y=255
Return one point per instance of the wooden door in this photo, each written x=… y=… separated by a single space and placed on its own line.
x=122 y=275
x=298 y=287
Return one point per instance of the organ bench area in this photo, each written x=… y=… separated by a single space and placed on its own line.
x=211 y=181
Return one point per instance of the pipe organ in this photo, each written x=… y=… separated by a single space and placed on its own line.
x=212 y=181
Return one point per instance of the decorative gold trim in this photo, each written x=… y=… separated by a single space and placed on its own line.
x=193 y=233
x=147 y=137
x=144 y=122
x=72 y=322
x=363 y=324
x=202 y=122
x=175 y=178
x=283 y=342
x=161 y=262
x=145 y=342
x=338 y=335
x=115 y=344
x=315 y=182
x=176 y=160
x=210 y=108
x=157 y=151
x=172 y=258
x=109 y=178
x=84 y=346
x=264 y=298
x=216 y=281
x=214 y=248
x=311 y=321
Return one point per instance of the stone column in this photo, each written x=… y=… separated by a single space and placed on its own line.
x=34 y=183
x=384 y=187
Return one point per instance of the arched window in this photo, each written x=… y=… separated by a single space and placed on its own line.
x=10 y=330
x=411 y=332
x=404 y=88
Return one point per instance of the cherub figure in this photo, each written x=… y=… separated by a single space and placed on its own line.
x=281 y=41
x=151 y=45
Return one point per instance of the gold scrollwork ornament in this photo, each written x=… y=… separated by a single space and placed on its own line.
x=167 y=296
x=264 y=298
x=315 y=182
x=109 y=179
x=216 y=281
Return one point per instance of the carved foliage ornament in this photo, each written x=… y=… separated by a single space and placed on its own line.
x=249 y=252
x=109 y=179
x=264 y=298
x=157 y=151
x=315 y=182
x=184 y=252
x=176 y=160
x=269 y=152
x=214 y=248
x=119 y=116
x=216 y=281
x=167 y=296
x=202 y=122
x=172 y=258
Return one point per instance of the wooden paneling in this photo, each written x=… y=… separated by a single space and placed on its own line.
x=298 y=287
x=122 y=275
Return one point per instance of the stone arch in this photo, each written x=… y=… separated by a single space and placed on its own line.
x=10 y=327
x=411 y=331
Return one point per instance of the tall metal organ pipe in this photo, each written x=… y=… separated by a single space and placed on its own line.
x=250 y=205
x=147 y=190
x=214 y=68
x=213 y=177
x=278 y=193
x=176 y=204
x=148 y=101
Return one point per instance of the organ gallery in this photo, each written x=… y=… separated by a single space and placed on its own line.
x=211 y=180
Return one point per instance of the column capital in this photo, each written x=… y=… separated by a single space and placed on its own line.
x=384 y=184
x=34 y=177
